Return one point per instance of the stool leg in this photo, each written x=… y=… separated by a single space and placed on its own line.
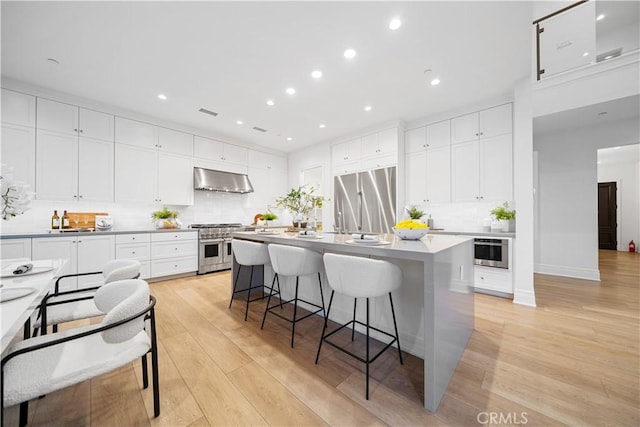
x=235 y=285
x=266 y=309
x=353 y=330
x=324 y=312
x=246 y=310
x=367 y=392
x=324 y=328
x=393 y=313
x=295 y=312
x=279 y=293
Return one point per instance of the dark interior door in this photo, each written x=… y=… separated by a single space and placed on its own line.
x=607 y=226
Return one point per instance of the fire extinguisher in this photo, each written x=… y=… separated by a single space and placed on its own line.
x=632 y=247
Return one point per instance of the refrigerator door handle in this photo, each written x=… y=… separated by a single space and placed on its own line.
x=360 y=209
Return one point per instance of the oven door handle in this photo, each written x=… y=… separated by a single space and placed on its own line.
x=489 y=244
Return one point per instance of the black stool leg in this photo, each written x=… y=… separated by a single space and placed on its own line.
x=279 y=293
x=295 y=312
x=324 y=312
x=145 y=374
x=353 y=330
x=235 y=285
x=246 y=311
x=24 y=413
x=266 y=309
x=393 y=313
x=324 y=328
x=367 y=390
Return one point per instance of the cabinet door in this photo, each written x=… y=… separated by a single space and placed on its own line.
x=388 y=141
x=415 y=140
x=370 y=145
x=18 y=109
x=175 y=179
x=136 y=133
x=95 y=170
x=496 y=171
x=15 y=248
x=234 y=154
x=93 y=253
x=258 y=159
x=19 y=152
x=416 y=178
x=172 y=141
x=58 y=247
x=495 y=121
x=206 y=148
x=438 y=175
x=94 y=124
x=465 y=172
x=259 y=178
x=136 y=177
x=347 y=152
x=464 y=128
x=439 y=134
x=277 y=186
x=57 y=116
x=56 y=166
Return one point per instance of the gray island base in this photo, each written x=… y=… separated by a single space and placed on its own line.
x=434 y=305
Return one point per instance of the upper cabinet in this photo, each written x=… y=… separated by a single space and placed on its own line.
x=487 y=123
x=172 y=141
x=258 y=159
x=18 y=108
x=136 y=133
x=227 y=157
x=380 y=143
x=65 y=118
x=372 y=151
x=428 y=137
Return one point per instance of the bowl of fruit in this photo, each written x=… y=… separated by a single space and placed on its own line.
x=410 y=229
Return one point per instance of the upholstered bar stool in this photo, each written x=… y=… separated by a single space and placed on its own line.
x=359 y=277
x=293 y=261
x=248 y=254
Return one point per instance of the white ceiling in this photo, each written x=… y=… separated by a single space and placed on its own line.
x=230 y=57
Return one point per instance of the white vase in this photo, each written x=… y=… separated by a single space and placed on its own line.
x=507 y=225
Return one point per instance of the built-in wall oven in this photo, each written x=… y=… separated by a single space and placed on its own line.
x=214 y=251
x=491 y=252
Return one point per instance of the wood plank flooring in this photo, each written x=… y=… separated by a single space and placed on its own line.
x=573 y=360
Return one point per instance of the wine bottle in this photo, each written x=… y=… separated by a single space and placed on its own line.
x=55 y=221
x=65 y=220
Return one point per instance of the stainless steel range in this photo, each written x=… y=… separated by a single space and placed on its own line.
x=214 y=249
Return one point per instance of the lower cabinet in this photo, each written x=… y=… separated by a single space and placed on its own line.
x=135 y=246
x=493 y=279
x=174 y=253
x=15 y=248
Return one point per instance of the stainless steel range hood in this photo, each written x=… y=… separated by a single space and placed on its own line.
x=227 y=182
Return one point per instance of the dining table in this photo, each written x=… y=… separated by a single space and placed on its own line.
x=21 y=292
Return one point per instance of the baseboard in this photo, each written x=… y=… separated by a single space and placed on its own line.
x=558 y=270
x=522 y=297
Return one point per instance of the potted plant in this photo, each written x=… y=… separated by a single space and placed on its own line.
x=165 y=218
x=414 y=213
x=267 y=217
x=506 y=217
x=300 y=201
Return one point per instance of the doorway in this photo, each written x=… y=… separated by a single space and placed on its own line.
x=607 y=214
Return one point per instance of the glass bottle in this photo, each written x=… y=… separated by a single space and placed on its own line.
x=65 y=220
x=55 y=221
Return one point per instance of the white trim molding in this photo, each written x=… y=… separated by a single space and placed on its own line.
x=575 y=272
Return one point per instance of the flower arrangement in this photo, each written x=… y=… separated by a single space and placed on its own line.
x=503 y=212
x=269 y=216
x=15 y=195
x=165 y=218
x=300 y=200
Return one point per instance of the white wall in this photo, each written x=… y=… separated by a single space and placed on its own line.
x=627 y=177
x=567 y=194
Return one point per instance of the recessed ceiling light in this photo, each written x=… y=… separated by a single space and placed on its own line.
x=239 y=122
x=608 y=57
x=322 y=126
x=291 y=91
x=289 y=138
x=53 y=61
x=395 y=24
x=316 y=74
x=600 y=17
x=349 y=53
x=585 y=54
x=435 y=82
x=162 y=96
x=367 y=108
x=270 y=103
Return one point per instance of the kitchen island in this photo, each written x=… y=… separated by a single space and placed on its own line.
x=434 y=305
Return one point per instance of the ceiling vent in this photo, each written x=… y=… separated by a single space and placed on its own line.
x=259 y=129
x=205 y=111
x=608 y=55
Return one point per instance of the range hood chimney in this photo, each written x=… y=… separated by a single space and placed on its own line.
x=227 y=182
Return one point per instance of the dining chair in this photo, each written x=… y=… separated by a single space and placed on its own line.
x=46 y=363
x=66 y=306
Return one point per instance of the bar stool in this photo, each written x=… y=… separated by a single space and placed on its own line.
x=293 y=261
x=249 y=254
x=359 y=277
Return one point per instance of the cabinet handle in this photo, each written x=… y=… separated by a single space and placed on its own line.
x=81 y=131
x=481 y=133
x=481 y=278
x=74 y=196
x=160 y=146
x=75 y=130
x=81 y=196
x=176 y=266
x=133 y=252
x=133 y=238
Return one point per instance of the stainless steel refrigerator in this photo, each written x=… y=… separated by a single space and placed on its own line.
x=365 y=202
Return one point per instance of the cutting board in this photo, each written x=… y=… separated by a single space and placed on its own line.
x=83 y=219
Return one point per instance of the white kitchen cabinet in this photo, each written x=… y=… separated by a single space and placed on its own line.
x=268 y=185
x=428 y=176
x=132 y=132
x=415 y=140
x=369 y=163
x=482 y=170
x=19 y=152
x=227 y=156
x=135 y=246
x=172 y=141
x=346 y=152
x=84 y=253
x=174 y=253
x=136 y=179
x=416 y=178
x=439 y=134
x=379 y=143
x=95 y=170
x=258 y=159
x=175 y=179
x=66 y=118
x=56 y=165
x=482 y=124
x=96 y=125
x=15 y=248
x=18 y=109
x=493 y=279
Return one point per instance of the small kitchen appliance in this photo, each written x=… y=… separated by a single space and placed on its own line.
x=214 y=246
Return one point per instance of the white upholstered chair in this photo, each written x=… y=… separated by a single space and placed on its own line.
x=46 y=363
x=294 y=261
x=66 y=306
x=359 y=277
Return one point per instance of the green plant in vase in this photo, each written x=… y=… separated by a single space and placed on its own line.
x=414 y=213
x=165 y=218
x=300 y=201
x=506 y=217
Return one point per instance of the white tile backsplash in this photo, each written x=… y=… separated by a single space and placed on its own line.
x=460 y=216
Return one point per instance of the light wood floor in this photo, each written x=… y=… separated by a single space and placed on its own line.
x=572 y=360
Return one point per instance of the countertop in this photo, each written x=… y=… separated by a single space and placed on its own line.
x=497 y=234
x=56 y=233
